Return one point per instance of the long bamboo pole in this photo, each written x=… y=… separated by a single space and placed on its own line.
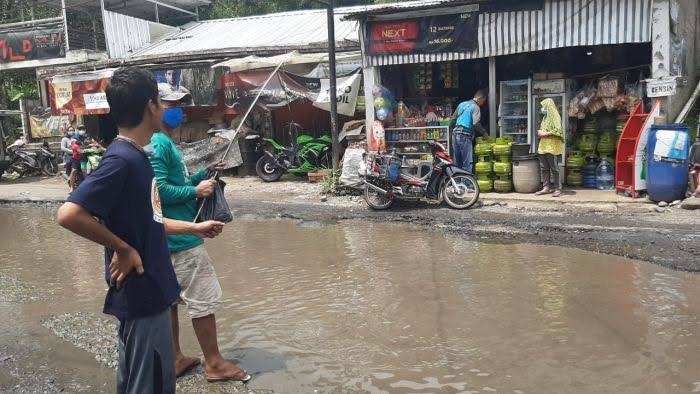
x=238 y=129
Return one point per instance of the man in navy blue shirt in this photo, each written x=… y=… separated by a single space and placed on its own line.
x=123 y=194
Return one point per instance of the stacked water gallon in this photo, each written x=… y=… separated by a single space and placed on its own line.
x=587 y=145
x=484 y=164
x=503 y=166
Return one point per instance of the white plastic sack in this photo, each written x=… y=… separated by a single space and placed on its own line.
x=352 y=161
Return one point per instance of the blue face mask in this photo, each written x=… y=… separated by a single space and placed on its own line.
x=172 y=117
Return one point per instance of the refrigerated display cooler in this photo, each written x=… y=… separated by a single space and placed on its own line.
x=514 y=110
x=561 y=91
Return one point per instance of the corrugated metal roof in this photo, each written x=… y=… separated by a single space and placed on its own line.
x=261 y=34
x=402 y=6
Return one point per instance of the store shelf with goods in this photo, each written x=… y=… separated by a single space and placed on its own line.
x=515 y=117
x=415 y=141
x=414 y=128
x=516 y=102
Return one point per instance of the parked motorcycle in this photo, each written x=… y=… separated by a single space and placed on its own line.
x=93 y=155
x=385 y=183
x=26 y=163
x=307 y=154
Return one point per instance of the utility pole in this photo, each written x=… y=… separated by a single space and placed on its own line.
x=333 y=85
x=65 y=24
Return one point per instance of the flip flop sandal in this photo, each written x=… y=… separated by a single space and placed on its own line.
x=245 y=379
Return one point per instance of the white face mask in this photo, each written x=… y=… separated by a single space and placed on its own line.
x=81 y=132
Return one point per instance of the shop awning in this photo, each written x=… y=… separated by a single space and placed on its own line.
x=560 y=23
x=259 y=62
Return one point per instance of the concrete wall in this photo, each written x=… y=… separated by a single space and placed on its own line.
x=685 y=18
x=676 y=34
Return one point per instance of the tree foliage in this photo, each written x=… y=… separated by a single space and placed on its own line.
x=236 y=8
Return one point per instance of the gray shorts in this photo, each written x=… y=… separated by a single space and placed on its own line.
x=146 y=360
x=199 y=287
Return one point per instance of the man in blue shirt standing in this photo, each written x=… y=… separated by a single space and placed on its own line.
x=123 y=194
x=468 y=127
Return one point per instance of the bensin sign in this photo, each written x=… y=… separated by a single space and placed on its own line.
x=36 y=44
x=433 y=34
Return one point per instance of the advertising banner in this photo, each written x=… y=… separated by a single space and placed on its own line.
x=43 y=126
x=347 y=90
x=431 y=34
x=82 y=94
x=32 y=44
x=198 y=82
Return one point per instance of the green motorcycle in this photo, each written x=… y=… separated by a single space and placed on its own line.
x=307 y=155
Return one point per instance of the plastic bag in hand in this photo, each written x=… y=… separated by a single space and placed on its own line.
x=215 y=207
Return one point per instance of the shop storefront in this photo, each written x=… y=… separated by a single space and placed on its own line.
x=590 y=58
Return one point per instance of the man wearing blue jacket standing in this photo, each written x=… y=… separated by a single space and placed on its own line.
x=468 y=127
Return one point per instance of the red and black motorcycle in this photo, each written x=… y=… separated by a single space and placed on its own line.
x=385 y=183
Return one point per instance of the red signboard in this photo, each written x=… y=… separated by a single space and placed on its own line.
x=80 y=97
x=432 y=34
x=35 y=44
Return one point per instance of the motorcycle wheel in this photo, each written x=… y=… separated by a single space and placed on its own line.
x=326 y=161
x=49 y=168
x=18 y=168
x=466 y=195
x=376 y=200
x=267 y=170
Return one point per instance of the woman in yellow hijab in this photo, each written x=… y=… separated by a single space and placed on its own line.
x=551 y=146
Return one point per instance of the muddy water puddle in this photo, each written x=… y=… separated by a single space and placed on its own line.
x=372 y=307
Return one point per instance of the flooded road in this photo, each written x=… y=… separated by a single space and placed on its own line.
x=372 y=307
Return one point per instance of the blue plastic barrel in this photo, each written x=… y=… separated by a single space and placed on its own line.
x=667 y=162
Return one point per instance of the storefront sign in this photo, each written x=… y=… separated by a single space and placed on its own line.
x=663 y=87
x=31 y=45
x=96 y=101
x=432 y=34
x=82 y=94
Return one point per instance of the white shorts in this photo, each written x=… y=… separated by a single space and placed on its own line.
x=199 y=287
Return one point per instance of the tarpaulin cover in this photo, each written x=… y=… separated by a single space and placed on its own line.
x=201 y=154
x=241 y=88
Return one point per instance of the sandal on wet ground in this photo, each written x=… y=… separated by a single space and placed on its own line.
x=215 y=379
